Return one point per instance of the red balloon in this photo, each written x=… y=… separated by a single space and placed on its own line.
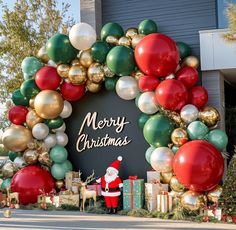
x=157 y=55
x=148 y=83
x=198 y=96
x=72 y=92
x=30 y=181
x=171 y=94
x=47 y=78
x=198 y=165
x=188 y=76
x=17 y=114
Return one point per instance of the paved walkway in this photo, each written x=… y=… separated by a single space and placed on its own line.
x=68 y=220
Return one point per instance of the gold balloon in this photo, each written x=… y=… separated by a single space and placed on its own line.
x=7 y=213
x=166 y=177
x=131 y=32
x=176 y=194
x=31 y=103
x=32 y=119
x=95 y=73
x=136 y=39
x=176 y=185
x=190 y=61
x=42 y=55
x=112 y=40
x=108 y=72
x=85 y=58
x=75 y=62
x=137 y=74
x=179 y=136
x=78 y=75
x=48 y=104
x=8 y=170
x=93 y=87
x=209 y=116
x=60 y=184
x=63 y=70
x=16 y=138
x=214 y=194
x=124 y=41
x=192 y=201
x=31 y=156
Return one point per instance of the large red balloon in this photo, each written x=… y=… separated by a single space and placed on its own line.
x=148 y=83
x=17 y=114
x=198 y=96
x=171 y=94
x=30 y=181
x=198 y=165
x=188 y=76
x=72 y=92
x=47 y=78
x=157 y=54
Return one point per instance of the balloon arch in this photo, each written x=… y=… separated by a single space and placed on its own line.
x=141 y=64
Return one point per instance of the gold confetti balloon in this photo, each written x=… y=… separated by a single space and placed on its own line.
x=108 y=72
x=77 y=74
x=95 y=73
x=191 y=61
x=76 y=61
x=209 y=116
x=31 y=156
x=63 y=70
x=93 y=87
x=179 y=136
x=8 y=170
x=42 y=54
x=131 y=32
x=166 y=177
x=124 y=41
x=136 y=39
x=214 y=194
x=112 y=40
x=32 y=119
x=85 y=58
x=176 y=185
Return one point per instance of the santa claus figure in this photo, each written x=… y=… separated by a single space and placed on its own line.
x=111 y=184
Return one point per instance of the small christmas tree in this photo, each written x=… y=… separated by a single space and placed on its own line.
x=227 y=200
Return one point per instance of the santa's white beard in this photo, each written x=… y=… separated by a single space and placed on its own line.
x=110 y=178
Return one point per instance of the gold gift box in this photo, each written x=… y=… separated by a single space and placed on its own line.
x=69 y=200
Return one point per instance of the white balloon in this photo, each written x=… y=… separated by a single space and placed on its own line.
x=19 y=162
x=189 y=113
x=82 y=36
x=50 y=141
x=127 y=88
x=40 y=131
x=147 y=103
x=67 y=110
x=52 y=63
x=62 y=138
x=60 y=129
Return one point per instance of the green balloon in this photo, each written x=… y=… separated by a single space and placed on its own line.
x=58 y=172
x=148 y=153
x=137 y=98
x=111 y=29
x=67 y=166
x=29 y=89
x=30 y=65
x=110 y=83
x=6 y=183
x=12 y=155
x=147 y=27
x=175 y=148
x=60 y=50
x=120 y=60
x=54 y=123
x=143 y=117
x=26 y=76
x=197 y=130
x=157 y=130
x=19 y=99
x=184 y=49
x=99 y=51
x=218 y=138
x=58 y=154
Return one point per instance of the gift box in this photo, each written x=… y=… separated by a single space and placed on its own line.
x=54 y=200
x=152 y=190
x=97 y=187
x=72 y=178
x=151 y=203
x=164 y=203
x=153 y=177
x=72 y=199
x=131 y=201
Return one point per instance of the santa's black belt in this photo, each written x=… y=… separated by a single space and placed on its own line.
x=110 y=189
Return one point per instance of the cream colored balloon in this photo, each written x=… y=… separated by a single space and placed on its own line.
x=32 y=119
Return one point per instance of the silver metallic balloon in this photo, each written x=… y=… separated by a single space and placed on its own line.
x=67 y=110
x=60 y=129
x=127 y=88
x=52 y=63
x=162 y=159
x=19 y=162
x=147 y=103
x=62 y=138
x=50 y=141
x=189 y=113
x=40 y=131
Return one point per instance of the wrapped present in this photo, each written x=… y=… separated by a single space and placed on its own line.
x=153 y=177
x=151 y=203
x=71 y=178
x=164 y=203
x=152 y=190
x=131 y=202
x=54 y=200
x=97 y=187
x=211 y=211
x=69 y=200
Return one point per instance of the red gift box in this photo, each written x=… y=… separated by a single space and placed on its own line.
x=97 y=187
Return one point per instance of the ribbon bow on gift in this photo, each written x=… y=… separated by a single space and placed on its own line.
x=133 y=177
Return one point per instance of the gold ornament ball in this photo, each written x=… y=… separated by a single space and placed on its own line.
x=179 y=136
x=95 y=73
x=131 y=32
x=8 y=170
x=31 y=156
x=78 y=75
x=60 y=184
x=85 y=58
x=16 y=138
x=42 y=55
x=214 y=194
x=63 y=70
x=93 y=87
x=32 y=119
x=112 y=40
x=48 y=104
x=209 y=116
x=176 y=185
x=124 y=41
x=7 y=213
x=166 y=177
x=76 y=61
x=108 y=72
x=136 y=39
x=191 y=61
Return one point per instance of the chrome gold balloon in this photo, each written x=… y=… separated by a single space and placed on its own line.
x=63 y=70
x=209 y=116
x=179 y=136
x=95 y=73
x=85 y=58
x=176 y=185
x=166 y=177
x=48 y=104
x=42 y=54
x=191 y=61
x=124 y=41
x=76 y=61
x=214 y=194
x=131 y=32
x=112 y=40
x=16 y=138
x=31 y=156
x=136 y=39
x=60 y=184
x=31 y=103
x=108 y=72
x=93 y=87
x=32 y=119
x=78 y=74
x=8 y=170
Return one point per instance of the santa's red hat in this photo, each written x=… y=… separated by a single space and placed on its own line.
x=115 y=165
